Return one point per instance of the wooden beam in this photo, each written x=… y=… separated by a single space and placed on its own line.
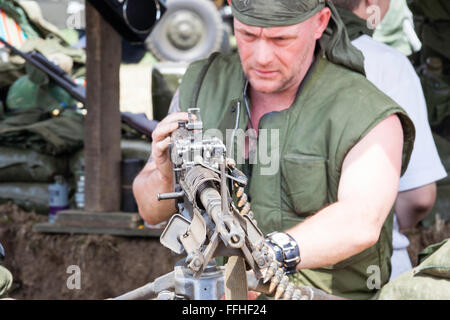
x=103 y=125
x=130 y=232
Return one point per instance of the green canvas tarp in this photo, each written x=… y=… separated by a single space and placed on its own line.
x=430 y=280
x=17 y=165
x=53 y=135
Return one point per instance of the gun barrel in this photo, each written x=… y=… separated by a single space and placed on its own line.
x=230 y=232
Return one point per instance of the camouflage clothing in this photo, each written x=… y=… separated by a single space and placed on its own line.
x=6 y=280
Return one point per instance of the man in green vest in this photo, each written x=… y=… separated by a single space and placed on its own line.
x=342 y=144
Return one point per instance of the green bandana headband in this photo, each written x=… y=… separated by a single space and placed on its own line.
x=334 y=42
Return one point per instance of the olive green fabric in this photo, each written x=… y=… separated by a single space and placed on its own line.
x=52 y=45
x=434 y=10
x=355 y=26
x=6 y=280
x=315 y=134
x=437 y=94
x=430 y=280
x=334 y=41
x=32 y=129
x=35 y=90
x=436 y=260
x=18 y=165
x=432 y=19
x=131 y=149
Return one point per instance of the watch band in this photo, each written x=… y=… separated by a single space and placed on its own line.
x=286 y=250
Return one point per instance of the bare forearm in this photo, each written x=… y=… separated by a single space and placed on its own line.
x=414 y=205
x=146 y=187
x=334 y=234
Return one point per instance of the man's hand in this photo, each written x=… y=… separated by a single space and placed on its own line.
x=160 y=143
x=156 y=177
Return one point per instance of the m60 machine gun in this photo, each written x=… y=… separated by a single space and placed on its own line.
x=208 y=225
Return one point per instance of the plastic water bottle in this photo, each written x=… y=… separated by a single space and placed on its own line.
x=79 y=194
x=58 y=197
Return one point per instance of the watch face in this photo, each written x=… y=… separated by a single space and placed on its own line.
x=280 y=238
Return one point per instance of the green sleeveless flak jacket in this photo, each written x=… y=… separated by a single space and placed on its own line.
x=333 y=110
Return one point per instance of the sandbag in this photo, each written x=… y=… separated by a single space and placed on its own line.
x=18 y=165
x=139 y=149
x=35 y=91
x=54 y=136
x=433 y=263
x=28 y=196
x=131 y=149
x=430 y=280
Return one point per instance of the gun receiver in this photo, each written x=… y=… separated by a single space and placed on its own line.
x=204 y=181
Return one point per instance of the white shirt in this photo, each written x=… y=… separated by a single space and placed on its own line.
x=391 y=72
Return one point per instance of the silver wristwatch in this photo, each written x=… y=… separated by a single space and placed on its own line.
x=286 y=250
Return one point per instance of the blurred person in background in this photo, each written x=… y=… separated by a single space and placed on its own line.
x=391 y=72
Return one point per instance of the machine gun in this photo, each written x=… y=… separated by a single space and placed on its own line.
x=208 y=225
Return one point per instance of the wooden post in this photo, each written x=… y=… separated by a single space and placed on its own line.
x=103 y=125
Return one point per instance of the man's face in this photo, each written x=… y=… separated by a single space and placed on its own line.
x=273 y=58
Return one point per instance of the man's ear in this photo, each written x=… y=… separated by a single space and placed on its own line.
x=323 y=18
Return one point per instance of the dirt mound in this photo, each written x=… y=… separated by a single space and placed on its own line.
x=420 y=238
x=109 y=265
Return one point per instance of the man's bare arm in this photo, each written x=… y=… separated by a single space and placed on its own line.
x=367 y=191
x=156 y=177
x=412 y=206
